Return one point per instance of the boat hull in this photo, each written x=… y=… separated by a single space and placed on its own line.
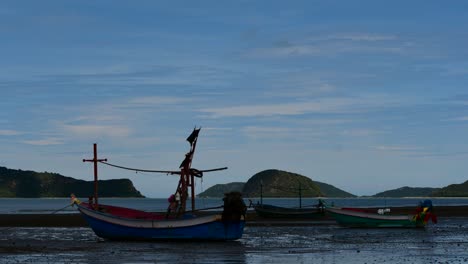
x=359 y=219
x=194 y=228
x=270 y=211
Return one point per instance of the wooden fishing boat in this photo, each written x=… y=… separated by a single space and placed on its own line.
x=271 y=211
x=352 y=217
x=119 y=223
x=279 y=212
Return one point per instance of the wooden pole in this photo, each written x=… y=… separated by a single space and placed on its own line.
x=261 y=193
x=95 y=160
x=300 y=196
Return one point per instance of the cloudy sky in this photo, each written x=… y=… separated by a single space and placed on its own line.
x=364 y=95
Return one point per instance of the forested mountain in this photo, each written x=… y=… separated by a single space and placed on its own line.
x=453 y=190
x=408 y=192
x=277 y=183
x=20 y=183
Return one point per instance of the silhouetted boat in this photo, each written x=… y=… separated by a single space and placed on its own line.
x=113 y=222
x=271 y=211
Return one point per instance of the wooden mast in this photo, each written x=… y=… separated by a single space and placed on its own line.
x=95 y=160
x=187 y=178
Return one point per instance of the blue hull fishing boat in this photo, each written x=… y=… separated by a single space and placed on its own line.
x=119 y=223
x=153 y=226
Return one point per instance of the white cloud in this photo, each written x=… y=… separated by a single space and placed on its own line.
x=217 y=128
x=97 y=130
x=333 y=44
x=324 y=105
x=360 y=132
x=398 y=148
x=275 y=109
x=44 y=142
x=266 y=132
x=461 y=118
x=158 y=100
x=361 y=37
x=263 y=130
x=6 y=132
x=411 y=151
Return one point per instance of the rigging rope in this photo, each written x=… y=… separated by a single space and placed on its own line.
x=139 y=170
x=195 y=172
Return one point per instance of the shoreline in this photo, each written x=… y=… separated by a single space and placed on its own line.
x=76 y=220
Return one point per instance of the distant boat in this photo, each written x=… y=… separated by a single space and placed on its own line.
x=119 y=223
x=353 y=217
x=271 y=211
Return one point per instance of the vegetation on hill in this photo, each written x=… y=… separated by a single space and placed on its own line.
x=19 y=183
x=331 y=191
x=407 y=192
x=219 y=190
x=276 y=183
x=453 y=190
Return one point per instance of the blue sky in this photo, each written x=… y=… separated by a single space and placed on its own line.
x=365 y=95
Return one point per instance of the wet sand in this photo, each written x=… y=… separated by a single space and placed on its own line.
x=445 y=242
x=65 y=238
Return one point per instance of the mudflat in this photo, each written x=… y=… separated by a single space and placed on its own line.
x=444 y=242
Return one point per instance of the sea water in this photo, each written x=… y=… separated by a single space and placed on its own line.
x=47 y=205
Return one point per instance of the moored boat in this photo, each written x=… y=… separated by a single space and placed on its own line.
x=352 y=217
x=119 y=223
x=271 y=211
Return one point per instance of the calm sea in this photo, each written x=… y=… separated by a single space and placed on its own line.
x=47 y=205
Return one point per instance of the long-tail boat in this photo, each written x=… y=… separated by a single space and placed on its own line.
x=280 y=212
x=119 y=223
x=354 y=217
x=272 y=211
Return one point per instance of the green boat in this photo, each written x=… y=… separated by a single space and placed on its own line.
x=355 y=218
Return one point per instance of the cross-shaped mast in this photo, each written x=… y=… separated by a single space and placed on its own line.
x=95 y=160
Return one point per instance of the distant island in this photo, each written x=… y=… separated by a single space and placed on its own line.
x=30 y=184
x=277 y=183
x=272 y=183
x=408 y=192
x=453 y=190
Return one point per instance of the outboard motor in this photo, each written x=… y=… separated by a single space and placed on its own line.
x=234 y=206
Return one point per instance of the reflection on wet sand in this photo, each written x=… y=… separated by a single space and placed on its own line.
x=444 y=242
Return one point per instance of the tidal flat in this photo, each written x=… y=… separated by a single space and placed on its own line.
x=444 y=242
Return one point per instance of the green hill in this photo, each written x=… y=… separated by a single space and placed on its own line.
x=277 y=183
x=331 y=191
x=453 y=190
x=408 y=192
x=219 y=190
x=30 y=184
